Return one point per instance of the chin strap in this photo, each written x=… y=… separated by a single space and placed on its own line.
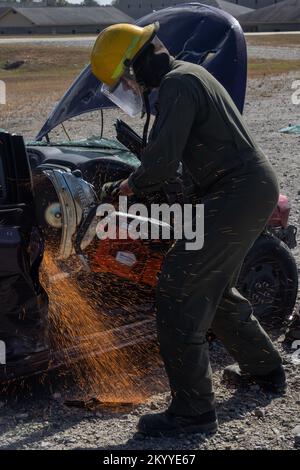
x=148 y=113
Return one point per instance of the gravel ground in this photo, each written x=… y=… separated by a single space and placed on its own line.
x=266 y=52
x=249 y=418
x=270 y=52
x=84 y=41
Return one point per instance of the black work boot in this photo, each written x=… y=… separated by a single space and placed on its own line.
x=166 y=424
x=275 y=381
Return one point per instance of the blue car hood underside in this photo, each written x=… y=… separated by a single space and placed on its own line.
x=192 y=32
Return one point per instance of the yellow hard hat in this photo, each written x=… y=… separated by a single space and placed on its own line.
x=117 y=45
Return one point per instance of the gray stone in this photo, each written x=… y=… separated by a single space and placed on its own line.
x=56 y=396
x=22 y=415
x=296 y=430
x=259 y=413
x=297 y=440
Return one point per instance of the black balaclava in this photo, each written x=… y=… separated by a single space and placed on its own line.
x=150 y=67
x=152 y=64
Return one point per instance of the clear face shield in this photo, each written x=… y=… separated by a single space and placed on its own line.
x=127 y=95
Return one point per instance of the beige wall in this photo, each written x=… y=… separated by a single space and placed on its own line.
x=14 y=19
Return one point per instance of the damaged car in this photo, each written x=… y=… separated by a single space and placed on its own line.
x=49 y=194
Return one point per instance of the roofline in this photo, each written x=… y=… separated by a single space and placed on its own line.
x=16 y=9
x=7 y=11
x=267 y=22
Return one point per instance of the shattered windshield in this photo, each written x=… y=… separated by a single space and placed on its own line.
x=94 y=131
x=102 y=145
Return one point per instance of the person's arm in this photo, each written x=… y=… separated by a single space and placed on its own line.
x=160 y=159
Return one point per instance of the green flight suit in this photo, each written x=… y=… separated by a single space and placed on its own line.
x=199 y=125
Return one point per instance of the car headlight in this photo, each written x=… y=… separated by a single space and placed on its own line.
x=63 y=202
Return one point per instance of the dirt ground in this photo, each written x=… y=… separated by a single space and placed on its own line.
x=37 y=417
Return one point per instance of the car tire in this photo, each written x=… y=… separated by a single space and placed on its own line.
x=269 y=280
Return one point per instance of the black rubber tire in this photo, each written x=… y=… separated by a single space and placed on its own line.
x=269 y=279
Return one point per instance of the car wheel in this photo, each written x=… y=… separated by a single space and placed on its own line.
x=269 y=279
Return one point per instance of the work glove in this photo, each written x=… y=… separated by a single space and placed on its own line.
x=110 y=191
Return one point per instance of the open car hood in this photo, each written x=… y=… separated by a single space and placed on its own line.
x=193 y=32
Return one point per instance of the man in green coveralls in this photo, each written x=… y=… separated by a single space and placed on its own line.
x=199 y=126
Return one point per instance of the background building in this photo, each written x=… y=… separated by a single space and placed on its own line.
x=254 y=4
x=284 y=16
x=52 y=20
x=138 y=8
x=3 y=10
x=23 y=3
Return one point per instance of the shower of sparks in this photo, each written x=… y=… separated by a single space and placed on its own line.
x=111 y=377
